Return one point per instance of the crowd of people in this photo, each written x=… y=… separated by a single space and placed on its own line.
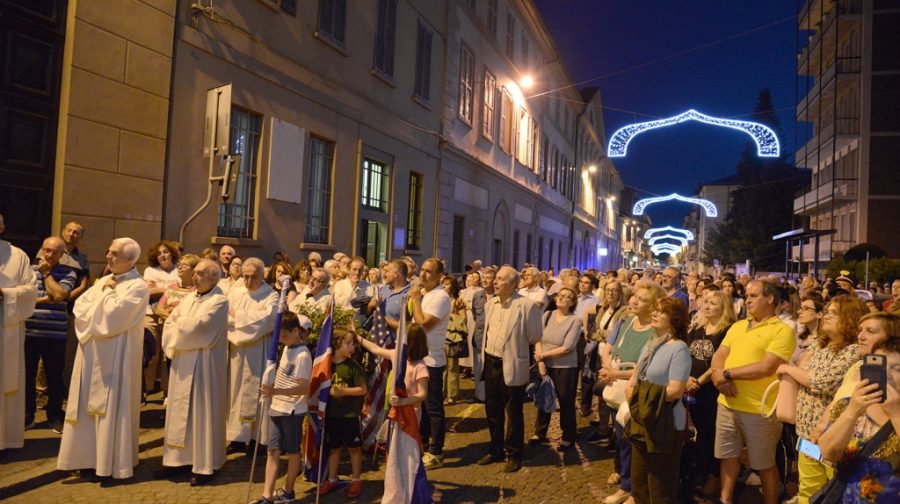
x=673 y=369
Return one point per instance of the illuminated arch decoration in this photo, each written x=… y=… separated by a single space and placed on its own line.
x=666 y=248
x=766 y=141
x=680 y=239
x=653 y=231
x=707 y=205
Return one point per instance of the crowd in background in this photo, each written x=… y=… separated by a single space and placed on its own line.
x=672 y=368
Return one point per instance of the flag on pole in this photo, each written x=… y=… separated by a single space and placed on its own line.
x=404 y=477
x=319 y=392
x=374 y=407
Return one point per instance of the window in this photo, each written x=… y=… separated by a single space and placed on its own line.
x=289 y=6
x=318 y=197
x=554 y=165
x=492 y=17
x=236 y=218
x=466 y=84
x=385 y=36
x=375 y=184
x=423 y=63
x=333 y=20
x=515 y=244
x=487 y=114
x=528 y=248
x=523 y=136
x=534 y=151
x=545 y=142
x=456 y=247
x=506 y=120
x=414 y=219
x=510 y=36
x=550 y=257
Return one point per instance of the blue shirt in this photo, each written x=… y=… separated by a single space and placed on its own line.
x=394 y=302
x=50 y=319
x=672 y=361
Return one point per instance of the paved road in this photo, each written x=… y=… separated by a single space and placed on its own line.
x=548 y=476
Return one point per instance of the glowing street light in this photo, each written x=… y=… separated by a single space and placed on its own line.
x=526 y=82
x=680 y=239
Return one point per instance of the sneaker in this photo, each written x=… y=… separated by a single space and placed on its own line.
x=282 y=496
x=597 y=439
x=536 y=439
x=355 y=489
x=261 y=500
x=432 y=461
x=56 y=426
x=327 y=487
x=512 y=465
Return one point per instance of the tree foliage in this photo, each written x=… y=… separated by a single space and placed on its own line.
x=881 y=269
x=858 y=252
x=762 y=207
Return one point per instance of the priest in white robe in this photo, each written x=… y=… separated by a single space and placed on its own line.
x=100 y=436
x=251 y=317
x=18 y=293
x=195 y=339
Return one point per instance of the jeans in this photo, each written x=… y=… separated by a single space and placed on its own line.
x=565 y=381
x=433 y=423
x=588 y=379
x=623 y=452
x=53 y=353
x=503 y=408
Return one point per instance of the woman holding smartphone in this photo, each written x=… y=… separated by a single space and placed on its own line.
x=819 y=375
x=853 y=424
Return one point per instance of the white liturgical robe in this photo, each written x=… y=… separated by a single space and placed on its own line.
x=195 y=339
x=19 y=294
x=103 y=411
x=248 y=334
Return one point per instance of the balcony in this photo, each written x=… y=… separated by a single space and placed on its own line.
x=838 y=190
x=841 y=132
x=824 y=35
x=844 y=68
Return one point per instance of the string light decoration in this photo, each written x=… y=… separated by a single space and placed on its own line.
x=653 y=231
x=666 y=248
x=707 y=205
x=680 y=239
x=767 y=144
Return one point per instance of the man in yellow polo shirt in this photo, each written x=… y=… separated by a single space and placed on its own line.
x=743 y=367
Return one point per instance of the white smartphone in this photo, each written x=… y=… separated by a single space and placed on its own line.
x=809 y=449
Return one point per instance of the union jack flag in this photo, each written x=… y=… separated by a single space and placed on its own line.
x=319 y=392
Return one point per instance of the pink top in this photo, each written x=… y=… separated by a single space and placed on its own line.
x=415 y=371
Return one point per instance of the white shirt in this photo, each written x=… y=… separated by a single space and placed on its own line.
x=295 y=365
x=436 y=303
x=345 y=294
x=536 y=294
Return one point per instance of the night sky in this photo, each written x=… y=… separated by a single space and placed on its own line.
x=657 y=58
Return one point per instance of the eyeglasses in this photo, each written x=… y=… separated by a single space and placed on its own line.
x=831 y=314
x=808 y=308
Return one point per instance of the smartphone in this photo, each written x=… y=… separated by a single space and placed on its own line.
x=874 y=369
x=809 y=449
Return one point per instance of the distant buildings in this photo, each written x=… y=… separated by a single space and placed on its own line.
x=849 y=67
x=382 y=128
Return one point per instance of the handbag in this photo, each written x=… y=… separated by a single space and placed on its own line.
x=614 y=393
x=785 y=408
x=833 y=491
x=457 y=336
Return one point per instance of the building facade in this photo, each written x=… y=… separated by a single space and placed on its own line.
x=848 y=66
x=382 y=128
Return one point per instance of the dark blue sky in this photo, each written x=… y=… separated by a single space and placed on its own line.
x=688 y=54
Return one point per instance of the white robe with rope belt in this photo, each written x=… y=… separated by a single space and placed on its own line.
x=248 y=336
x=103 y=411
x=19 y=295
x=195 y=339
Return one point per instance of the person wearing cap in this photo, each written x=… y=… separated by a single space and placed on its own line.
x=195 y=339
x=289 y=406
x=845 y=282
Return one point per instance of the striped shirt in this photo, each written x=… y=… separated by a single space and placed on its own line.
x=50 y=319
x=294 y=366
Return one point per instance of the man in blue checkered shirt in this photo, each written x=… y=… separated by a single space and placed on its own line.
x=45 y=331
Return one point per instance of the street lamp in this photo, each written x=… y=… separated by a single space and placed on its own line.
x=526 y=82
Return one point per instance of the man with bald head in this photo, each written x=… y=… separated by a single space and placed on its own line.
x=45 y=331
x=17 y=296
x=195 y=339
x=100 y=435
x=251 y=317
x=512 y=325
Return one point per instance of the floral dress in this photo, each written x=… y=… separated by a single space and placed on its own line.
x=826 y=368
x=875 y=480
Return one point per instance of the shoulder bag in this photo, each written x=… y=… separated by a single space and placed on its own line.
x=833 y=491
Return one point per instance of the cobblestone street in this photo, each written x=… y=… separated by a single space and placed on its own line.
x=548 y=476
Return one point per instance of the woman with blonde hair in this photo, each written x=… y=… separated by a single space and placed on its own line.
x=818 y=377
x=713 y=320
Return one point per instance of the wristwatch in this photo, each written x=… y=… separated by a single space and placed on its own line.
x=727 y=374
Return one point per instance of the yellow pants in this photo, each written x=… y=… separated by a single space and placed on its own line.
x=813 y=475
